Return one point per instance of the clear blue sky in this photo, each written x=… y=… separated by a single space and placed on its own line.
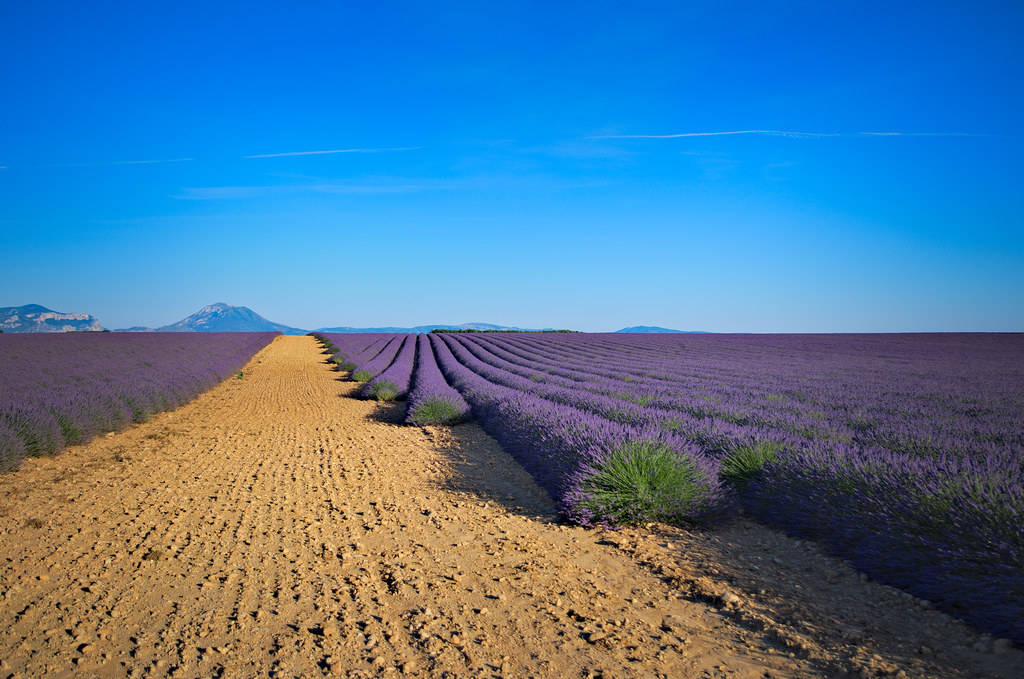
x=517 y=195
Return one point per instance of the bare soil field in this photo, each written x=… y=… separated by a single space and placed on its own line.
x=278 y=526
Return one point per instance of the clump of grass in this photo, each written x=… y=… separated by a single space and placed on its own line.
x=346 y=366
x=362 y=376
x=671 y=424
x=435 y=410
x=743 y=464
x=645 y=481
x=239 y=375
x=383 y=391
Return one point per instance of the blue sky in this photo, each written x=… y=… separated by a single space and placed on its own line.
x=510 y=163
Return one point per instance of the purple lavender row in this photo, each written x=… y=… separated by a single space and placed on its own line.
x=368 y=369
x=348 y=344
x=920 y=542
x=60 y=390
x=945 y=529
x=334 y=350
x=432 y=400
x=575 y=455
x=853 y=404
x=393 y=383
x=717 y=432
x=354 y=344
x=338 y=343
x=713 y=436
x=365 y=354
x=794 y=427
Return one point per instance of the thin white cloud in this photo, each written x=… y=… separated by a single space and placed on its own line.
x=371 y=186
x=782 y=133
x=927 y=134
x=317 y=153
x=715 y=134
x=243 y=192
x=144 y=162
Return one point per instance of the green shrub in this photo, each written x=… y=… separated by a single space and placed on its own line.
x=434 y=411
x=362 y=375
x=346 y=366
x=645 y=481
x=383 y=391
x=743 y=464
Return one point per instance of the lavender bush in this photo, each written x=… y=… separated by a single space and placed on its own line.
x=950 y=530
x=347 y=346
x=431 y=400
x=569 y=451
x=364 y=352
x=367 y=370
x=393 y=383
x=59 y=390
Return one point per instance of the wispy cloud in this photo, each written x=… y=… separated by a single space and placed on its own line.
x=391 y=185
x=317 y=153
x=782 y=133
x=114 y=162
x=244 y=192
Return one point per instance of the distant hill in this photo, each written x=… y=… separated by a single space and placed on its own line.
x=424 y=328
x=221 y=317
x=36 y=318
x=654 y=328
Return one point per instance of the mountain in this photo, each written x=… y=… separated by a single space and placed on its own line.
x=425 y=328
x=654 y=328
x=36 y=318
x=221 y=317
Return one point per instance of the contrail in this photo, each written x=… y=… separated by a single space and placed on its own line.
x=781 y=133
x=316 y=153
x=927 y=134
x=714 y=134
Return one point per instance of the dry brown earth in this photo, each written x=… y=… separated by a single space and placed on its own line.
x=276 y=526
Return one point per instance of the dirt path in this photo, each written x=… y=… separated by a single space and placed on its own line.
x=277 y=527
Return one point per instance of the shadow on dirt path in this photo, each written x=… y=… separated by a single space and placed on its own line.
x=481 y=470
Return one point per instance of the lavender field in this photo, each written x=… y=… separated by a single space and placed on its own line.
x=62 y=389
x=903 y=453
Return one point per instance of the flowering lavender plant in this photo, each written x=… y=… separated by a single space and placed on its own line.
x=366 y=370
x=432 y=400
x=901 y=451
x=393 y=383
